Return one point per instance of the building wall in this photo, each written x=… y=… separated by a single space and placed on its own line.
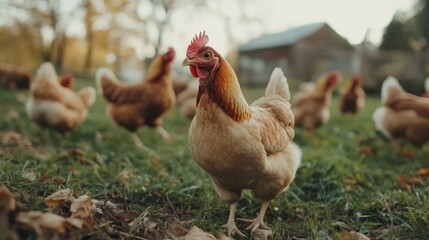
x=306 y=60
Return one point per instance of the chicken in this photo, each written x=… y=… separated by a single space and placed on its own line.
x=144 y=103
x=179 y=84
x=54 y=106
x=240 y=146
x=14 y=77
x=426 y=94
x=352 y=97
x=311 y=107
x=187 y=99
x=67 y=80
x=402 y=114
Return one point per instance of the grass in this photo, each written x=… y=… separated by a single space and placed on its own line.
x=347 y=180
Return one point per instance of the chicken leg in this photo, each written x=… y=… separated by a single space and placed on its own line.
x=140 y=145
x=258 y=222
x=164 y=134
x=230 y=226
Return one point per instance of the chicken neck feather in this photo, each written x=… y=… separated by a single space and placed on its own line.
x=224 y=89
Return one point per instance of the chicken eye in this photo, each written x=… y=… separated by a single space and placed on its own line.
x=207 y=55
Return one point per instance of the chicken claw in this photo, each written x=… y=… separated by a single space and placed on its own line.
x=140 y=145
x=230 y=226
x=164 y=134
x=257 y=222
x=232 y=229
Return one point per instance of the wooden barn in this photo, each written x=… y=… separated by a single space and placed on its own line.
x=303 y=52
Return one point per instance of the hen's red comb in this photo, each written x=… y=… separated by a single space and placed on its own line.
x=198 y=42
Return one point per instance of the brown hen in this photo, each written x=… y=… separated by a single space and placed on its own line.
x=241 y=146
x=134 y=105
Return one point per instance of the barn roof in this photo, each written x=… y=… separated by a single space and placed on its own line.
x=285 y=38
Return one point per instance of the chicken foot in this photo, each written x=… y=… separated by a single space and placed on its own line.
x=257 y=222
x=164 y=134
x=140 y=145
x=230 y=226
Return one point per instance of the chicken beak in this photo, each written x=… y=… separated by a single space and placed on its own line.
x=188 y=62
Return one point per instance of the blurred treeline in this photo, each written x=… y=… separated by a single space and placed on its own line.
x=408 y=33
x=81 y=35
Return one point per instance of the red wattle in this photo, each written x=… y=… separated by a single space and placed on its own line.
x=194 y=71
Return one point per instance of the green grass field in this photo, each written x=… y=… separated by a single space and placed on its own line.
x=347 y=180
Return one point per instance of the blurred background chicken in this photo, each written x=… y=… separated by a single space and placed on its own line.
x=67 y=80
x=144 y=103
x=241 y=146
x=311 y=107
x=187 y=99
x=53 y=106
x=402 y=114
x=352 y=96
x=426 y=94
x=179 y=84
x=14 y=77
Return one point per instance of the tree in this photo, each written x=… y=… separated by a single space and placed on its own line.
x=422 y=21
x=396 y=35
x=48 y=20
x=89 y=21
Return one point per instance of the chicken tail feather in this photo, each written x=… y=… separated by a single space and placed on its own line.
x=296 y=155
x=278 y=84
x=87 y=94
x=390 y=86
x=110 y=87
x=379 y=116
x=46 y=72
x=102 y=77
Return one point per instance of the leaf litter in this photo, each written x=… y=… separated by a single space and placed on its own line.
x=67 y=213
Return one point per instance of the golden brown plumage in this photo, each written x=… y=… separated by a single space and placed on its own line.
x=241 y=146
x=402 y=114
x=54 y=106
x=352 y=97
x=134 y=105
x=67 y=80
x=311 y=107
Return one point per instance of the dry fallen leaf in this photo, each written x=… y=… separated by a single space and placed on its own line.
x=125 y=216
x=96 y=204
x=31 y=176
x=7 y=200
x=404 y=182
x=14 y=138
x=76 y=222
x=39 y=221
x=197 y=234
x=367 y=150
x=352 y=235
x=60 y=198
x=423 y=172
x=123 y=177
x=350 y=182
x=82 y=208
x=262 y=234
x=222 y=236
x=177 y=230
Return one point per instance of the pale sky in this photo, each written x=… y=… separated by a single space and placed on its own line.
x=350 y=18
